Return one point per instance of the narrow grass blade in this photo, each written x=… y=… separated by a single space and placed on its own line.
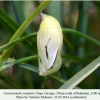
x=25 y=59
x=29 y=67
x=6 y=46
x=12 y=27
x=81 y=75
x=11 y=62
x=74 y=32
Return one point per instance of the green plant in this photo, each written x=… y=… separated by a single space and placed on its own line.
x=29 y=63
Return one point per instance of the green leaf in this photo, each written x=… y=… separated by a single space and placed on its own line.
x=29 y=67
x=74 y=32
x=7 y=22
x=81 y=75
x=25 y=59
x=12 y=27
x=8 y=45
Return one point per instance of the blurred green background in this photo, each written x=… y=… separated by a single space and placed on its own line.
x=83 y=16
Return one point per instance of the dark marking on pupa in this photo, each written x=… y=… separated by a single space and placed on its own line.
x=40 y=60
x=46 y=49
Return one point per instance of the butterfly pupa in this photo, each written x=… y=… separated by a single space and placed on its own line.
x=49 y=44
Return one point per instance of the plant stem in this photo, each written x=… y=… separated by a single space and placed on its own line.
x=22 y=28
x=26 y=59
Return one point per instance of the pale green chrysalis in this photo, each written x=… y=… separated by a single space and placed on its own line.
x=49 y=44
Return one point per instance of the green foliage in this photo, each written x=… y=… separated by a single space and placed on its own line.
x=80 y=49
